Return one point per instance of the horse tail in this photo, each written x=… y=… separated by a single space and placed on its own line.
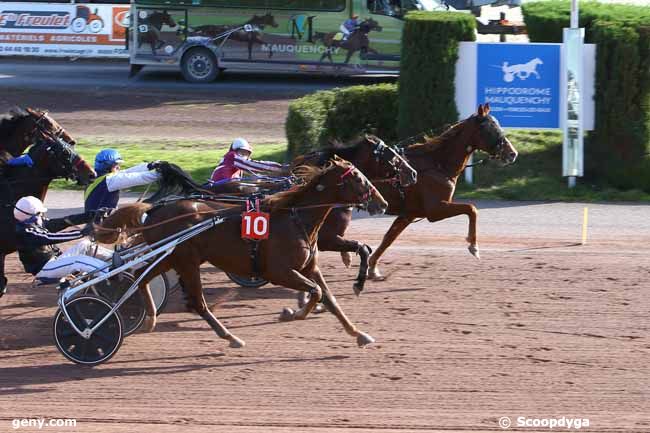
x=124 y=218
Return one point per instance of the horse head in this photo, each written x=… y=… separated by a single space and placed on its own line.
x=57 y=159
x=368 y=25
x=24 y=126
x=46 y=127
x=386 y=163
x=347 y=184
x=490 y=137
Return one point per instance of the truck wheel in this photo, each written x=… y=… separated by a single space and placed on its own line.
x=199 y=65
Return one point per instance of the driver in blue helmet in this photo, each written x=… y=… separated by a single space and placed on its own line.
x=104 y=192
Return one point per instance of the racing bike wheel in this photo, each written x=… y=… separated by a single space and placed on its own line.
x=85 y=312
x=132 y=311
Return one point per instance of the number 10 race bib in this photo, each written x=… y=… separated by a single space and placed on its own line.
x=255 y=225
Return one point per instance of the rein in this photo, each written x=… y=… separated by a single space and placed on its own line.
x=209 y=212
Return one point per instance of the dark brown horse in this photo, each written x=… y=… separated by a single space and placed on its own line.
x=439 y=161
x=251 y=37
x=357 y=41
x=381 y=164
x=22 y=127
x=53 y=158
x=289 y=257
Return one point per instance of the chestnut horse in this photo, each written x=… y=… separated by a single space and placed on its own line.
x=381 y=164
x=439 y=161
x=289 y=257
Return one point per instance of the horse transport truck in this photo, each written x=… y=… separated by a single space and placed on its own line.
x=205 y=37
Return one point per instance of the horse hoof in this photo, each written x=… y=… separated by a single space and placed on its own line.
x=473 y=250
x=364 y=339
x=149 y=324
x=358 y=288
x=287 y=315
x=346 y=258
x=319 y=308
x=375 y=275
x=236 y=343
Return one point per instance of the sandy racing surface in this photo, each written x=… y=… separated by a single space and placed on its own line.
x=537 y=328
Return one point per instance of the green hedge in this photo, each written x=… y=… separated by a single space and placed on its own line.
x=428 y=69
x=546 y=19
x=616 y=150
x=314 y=120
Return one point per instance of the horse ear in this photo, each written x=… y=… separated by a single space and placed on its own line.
x=487 y=108
x=481 y=110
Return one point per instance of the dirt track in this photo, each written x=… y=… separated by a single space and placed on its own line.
x=538 y=329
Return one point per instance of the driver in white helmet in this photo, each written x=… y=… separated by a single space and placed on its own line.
x=238 y=159
x=37 y=236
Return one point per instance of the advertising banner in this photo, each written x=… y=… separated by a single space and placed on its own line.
x=521 y=82
x=65 y=30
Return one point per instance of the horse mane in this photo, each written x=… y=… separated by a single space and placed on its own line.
x=175 y=181
x=10 y=121
x=343 y=149
x=433 y=144
x=309 y=175
x=125 y=217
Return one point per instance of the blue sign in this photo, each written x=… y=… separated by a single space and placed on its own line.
x=521 y=83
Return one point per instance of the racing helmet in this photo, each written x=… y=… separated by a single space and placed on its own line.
x=28 y=207
x=241 y=143
x=106 y=159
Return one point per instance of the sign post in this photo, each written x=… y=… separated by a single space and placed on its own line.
x=572 y=118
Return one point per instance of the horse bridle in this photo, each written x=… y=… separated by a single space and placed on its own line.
x=367 y=196
x=381 y=150
x=63 y=154
x=496 y=147
x=38 y=126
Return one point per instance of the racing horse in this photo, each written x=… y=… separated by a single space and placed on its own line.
x=439 y=161
x=239 y=33
x=357 y=41
x=53 y=158
x=295 y=218
x=22 y=127
x=380 y=163
x=154 y=23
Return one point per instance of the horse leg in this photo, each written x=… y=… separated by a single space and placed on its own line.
x=449 y=209
x=192 y=279
x=295 y=280
x=3 y=279
x=349 y=56
x=329 y=301
x=393 y=232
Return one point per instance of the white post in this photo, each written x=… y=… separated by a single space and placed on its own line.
x=575 y=9
x=469 y=171
x=572 y=118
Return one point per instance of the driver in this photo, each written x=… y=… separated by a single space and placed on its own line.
x=238 y=159
x=37 y=236
x=104 y=192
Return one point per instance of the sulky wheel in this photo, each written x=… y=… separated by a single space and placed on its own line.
x=159 y=286
x=132 y=311
x=86 y=311
x=250 y=282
